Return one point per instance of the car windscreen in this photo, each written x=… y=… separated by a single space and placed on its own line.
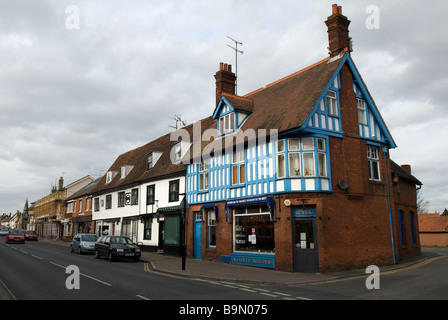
x=121 y=240
x=88 y=237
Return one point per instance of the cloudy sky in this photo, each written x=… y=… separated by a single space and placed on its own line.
x=82 y=81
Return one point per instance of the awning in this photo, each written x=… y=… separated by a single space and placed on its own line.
x=248 y=201
x=170 y=209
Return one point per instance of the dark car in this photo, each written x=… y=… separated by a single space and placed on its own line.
x=116 y=247
x=30 y=235
x=15 y=236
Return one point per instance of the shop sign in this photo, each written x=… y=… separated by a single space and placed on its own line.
x=303 y=211
x=254 y=259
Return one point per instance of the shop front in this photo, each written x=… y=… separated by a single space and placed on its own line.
x=253 y=231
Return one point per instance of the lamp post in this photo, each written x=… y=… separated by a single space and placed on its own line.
x=184 y=207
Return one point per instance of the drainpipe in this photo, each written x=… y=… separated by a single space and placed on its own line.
x=388 y=202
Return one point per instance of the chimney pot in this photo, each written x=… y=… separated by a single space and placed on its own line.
x=335 y=9
x=339 y=10
x=221 y=66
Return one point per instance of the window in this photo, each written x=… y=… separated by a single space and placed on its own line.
x=123 y=172
x=109 y=201
x=149 y=161
x=96 y=204
x=109 y=177
x=332 y=103
x=294 y=164
x=203 y=175
x=121 y=199
x=411 y=220
x=374 y=163
x=147 y=229
x=134 y=197
x=253 y=229
x=211 y=228
x=308 y=164
x=150 y=194
x=238 y=167
x=87 y=204
x=174 y=191
x=401 y=222
x=177 y=152
x=281 y=164
x=362 y=117
x=227 y=123
x=80 y=205
x=321 y=158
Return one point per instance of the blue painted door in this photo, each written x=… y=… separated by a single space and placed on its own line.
x=197 y=235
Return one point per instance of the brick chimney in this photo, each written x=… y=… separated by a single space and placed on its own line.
x=225 y=80
x=338 y=38
x=61 y=184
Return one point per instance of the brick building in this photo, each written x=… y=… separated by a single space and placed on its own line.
x=298 y=175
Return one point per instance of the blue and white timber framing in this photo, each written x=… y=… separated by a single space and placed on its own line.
x=299 y=161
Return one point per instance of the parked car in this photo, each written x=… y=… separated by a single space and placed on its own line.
x=15 y=236
x=30 y=235
x=114 y=247
x=4 y=231
x=83 y=242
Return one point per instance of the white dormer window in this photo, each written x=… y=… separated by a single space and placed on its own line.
x=227 y=123
x=362 y=116
x=149 y=161
x=109 y=177
x=177 y=152
x=123 y=172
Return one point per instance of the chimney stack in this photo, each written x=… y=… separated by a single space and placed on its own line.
x=225 y=80
x=338 y=38
x=61 y=184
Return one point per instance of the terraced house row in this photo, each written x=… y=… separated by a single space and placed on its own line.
x=294 y=176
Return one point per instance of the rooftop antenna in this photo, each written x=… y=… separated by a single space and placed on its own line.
x=178 y=120
x=236 y=60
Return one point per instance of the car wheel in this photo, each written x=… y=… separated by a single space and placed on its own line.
x=97 y=254
x=110 y=257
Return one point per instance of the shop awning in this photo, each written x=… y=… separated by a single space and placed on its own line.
x=170 y=209
x=249 y=201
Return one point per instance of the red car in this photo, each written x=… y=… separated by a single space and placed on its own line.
x=30 y=235
x=15 y=236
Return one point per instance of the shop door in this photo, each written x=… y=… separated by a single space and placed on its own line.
x=305 y=257
x=197 y=235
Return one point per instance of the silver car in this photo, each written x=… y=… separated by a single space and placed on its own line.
x=83 y=242
x=4 y=231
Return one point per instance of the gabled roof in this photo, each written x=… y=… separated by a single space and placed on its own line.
x=138 y=159
x=403 y=174
x=236 y=102
x=286 y=103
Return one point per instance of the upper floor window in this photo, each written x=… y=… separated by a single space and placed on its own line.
x=109 y=176
x=96 y=204
x=332 y=103
x=150 y=194
x=374 y=163
x=109 y=201
x=134 y=196
x=362 y=115
x=149 y=161
x=203 y=175
x=174 y=191
x=227 y=123
x=238 y=167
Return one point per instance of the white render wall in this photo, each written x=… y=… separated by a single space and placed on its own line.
x=119 y=213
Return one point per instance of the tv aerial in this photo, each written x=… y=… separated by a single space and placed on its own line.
x=178 y=120
x=236 y=59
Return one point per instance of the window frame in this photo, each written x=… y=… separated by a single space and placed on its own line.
x=173 y=195
x=373 y=160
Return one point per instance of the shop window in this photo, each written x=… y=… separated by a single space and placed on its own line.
x=253 y=229
x=147 y=229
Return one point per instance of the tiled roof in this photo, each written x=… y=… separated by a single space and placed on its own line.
x=403 y=174
x=138 y=159
x=432 y=222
